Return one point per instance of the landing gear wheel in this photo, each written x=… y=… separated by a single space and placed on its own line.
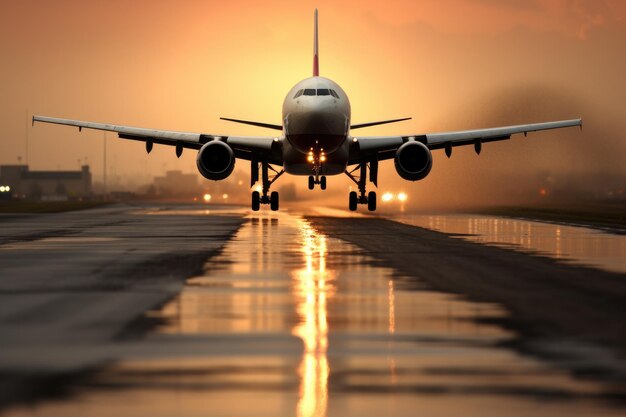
x=353 y=201
x=323 y=183
x=311 y=182
x=274 y=200
x=256 y=201
x=371 y=201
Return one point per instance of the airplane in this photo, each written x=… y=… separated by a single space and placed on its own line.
x=316 y=141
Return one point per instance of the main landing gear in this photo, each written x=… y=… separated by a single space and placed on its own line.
x=266 y=181
x=317 y=179
x=360 y=178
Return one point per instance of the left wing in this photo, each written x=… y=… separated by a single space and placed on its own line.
x=365 y=148
x=261 y=148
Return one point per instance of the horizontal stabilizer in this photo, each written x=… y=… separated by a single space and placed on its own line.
x=383 y=122
x=259 y=124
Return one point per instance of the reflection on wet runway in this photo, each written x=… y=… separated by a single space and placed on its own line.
x=312 y=287
x=579 y=245
x=292 y=322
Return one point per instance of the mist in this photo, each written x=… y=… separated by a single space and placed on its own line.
x=450 y=65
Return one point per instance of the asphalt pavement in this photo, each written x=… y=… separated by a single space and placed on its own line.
x=205 y=310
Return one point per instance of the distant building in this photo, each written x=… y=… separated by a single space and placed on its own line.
x=47 y=185
x=175 y=183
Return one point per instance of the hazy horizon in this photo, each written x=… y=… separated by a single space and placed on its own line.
x=448 y=64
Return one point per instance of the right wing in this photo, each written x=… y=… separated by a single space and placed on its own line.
x=384 y=147
x=260 y=148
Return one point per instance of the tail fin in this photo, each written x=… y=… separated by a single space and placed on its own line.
x=316 y=65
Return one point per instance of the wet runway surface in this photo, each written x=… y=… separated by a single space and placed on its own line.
x=283 y=320
x=572 y=244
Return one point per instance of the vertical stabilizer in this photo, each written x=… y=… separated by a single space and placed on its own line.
x=316 y=65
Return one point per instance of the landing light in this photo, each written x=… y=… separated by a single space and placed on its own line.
x=4 y=188
x=206 y=197
x=310 y=158
x=322 y=158
x=388 y=197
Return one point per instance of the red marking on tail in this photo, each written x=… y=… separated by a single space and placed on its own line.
x=316 y=64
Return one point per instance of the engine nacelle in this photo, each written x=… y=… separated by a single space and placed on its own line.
x=215 y=160
x=413 y=161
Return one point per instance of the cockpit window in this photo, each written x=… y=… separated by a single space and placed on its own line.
x=313 y=92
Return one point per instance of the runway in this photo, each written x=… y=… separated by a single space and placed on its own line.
x=170 y=309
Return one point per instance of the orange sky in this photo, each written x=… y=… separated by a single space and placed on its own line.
x=451 y=64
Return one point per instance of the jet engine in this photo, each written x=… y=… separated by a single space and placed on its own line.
x=413 y=161
x=215 y=160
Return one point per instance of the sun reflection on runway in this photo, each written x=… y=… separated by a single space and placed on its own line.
x=312 y=288
x=575 y=244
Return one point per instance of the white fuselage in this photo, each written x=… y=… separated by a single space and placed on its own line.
x=316 y=118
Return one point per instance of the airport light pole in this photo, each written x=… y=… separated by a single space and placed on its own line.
x=104 y=163
x=26 y=133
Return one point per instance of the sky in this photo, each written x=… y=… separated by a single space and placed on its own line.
x=448 y=64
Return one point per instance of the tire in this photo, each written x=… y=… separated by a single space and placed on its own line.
x=274 y=201
x=353 y=201
x=311 y=182
x=371 y=201
x=256 y=201
x=323 y=183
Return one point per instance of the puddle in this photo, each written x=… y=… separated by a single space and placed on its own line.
x=573 y=244
x=298 y=323
x=201 y=210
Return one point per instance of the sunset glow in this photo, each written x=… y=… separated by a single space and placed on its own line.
x=448 y=64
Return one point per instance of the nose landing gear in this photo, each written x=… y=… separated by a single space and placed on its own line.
x=360 y=180
x=257 y=197
x=317 y=179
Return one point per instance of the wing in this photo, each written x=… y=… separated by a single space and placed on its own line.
x=260 y=148
x=365 y=148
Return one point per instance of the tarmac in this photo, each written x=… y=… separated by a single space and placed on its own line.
x=71 y=283
x=195 y=310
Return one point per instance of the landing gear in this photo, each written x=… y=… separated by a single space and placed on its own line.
x=266 y=182
x=321 y=180
x=360 y=180
x=274 y=201
x=371 y=201
x=256 y=201
x=353 y=201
